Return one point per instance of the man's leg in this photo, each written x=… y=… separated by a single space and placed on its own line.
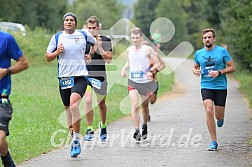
x=75 y=99
x=101 y=100
x=5 y=155
x=134 y=113
x=208 y=104
x=88 y=107
x=211 y=124
x=69 y=119
x=3 y=143
x=134 y=108
x=89 y=114
x=153 y=98
x=74 y=108
x=145 y=108
x=220 y=101
x=219 y=115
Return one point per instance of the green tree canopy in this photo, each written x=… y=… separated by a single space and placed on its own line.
x=47 y=13
x=108 y=12
x=144 y=14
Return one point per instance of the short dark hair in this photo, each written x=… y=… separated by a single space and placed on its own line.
x=92 y=20
x=136 y=30
x=208 y=30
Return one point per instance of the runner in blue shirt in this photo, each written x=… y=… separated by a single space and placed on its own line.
x=212 y=63
x=9 y=49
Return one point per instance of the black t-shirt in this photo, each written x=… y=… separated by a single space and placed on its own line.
x=97 y=68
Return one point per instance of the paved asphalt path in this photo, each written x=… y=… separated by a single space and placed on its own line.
x=178 y=134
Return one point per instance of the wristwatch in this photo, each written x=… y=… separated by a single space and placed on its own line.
x=8 y=72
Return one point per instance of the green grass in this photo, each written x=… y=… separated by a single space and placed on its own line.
x=37 y=108
x=245 y=81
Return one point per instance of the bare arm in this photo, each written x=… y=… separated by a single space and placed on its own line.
x=106 y=55
x=162 y=64
x=53 y=55
x=229 y=69
x=154 y=58
x=196 y=70
x=20 y=65
x=125 y=67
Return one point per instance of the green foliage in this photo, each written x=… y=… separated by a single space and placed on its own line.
x=36 y=104
x=233 y=27
x=170 y=10
x=238 y=19
x=211 y=12
x=245 y=82
x=34 y=45
x=145 y=14
x=194 y=21
x=108 y=12
x=47 y=13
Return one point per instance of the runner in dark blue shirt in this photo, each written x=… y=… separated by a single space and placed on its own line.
x=9 y=49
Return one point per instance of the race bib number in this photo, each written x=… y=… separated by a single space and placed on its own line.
x=137 y=75
x=66 y=83
x=95 y=83
x=208 y=69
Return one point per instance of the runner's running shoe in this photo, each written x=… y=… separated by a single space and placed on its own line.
x=137 y=135
x=144 y=131
x=89 y=135
x=75 y=148
x=102 y=132
x=7 y=160
x=220 y=123
x=213 y=146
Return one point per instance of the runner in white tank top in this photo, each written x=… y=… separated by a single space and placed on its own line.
x=139 y=63
x=140 y=78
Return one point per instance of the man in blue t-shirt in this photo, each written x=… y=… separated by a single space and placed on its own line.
x=212 y=63
x=9 y=49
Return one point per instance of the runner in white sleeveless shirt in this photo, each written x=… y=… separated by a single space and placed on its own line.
x=140 y=79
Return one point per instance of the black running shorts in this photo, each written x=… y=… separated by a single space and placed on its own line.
x=80 y=85
x=217 y=96
x=5 y=117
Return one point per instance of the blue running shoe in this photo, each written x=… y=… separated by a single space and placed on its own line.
x=213 y=146
x=75 y=148
x=102 y=132
x=89 y=135
x=220 y=123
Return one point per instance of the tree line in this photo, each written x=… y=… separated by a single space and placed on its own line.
x=230 y=18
